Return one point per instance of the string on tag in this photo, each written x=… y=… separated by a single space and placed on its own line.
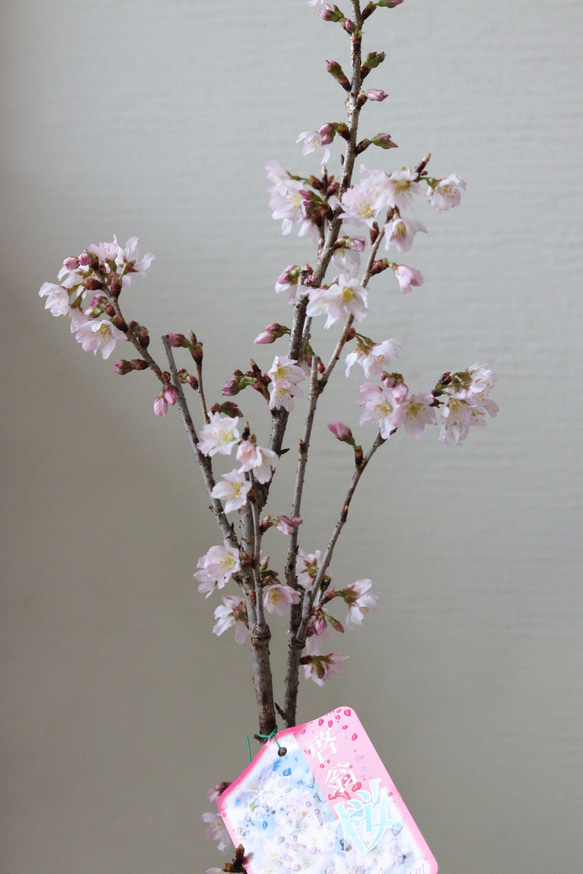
x=281 y=751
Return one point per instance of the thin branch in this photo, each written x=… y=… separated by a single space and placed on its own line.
x=204 y=462
x=327 y=557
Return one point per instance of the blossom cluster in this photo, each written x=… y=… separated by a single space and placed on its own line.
x=222 y=564
x=220 y=435
x=89 y=285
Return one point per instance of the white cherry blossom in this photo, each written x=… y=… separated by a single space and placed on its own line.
x=219 y=435
x=447 y=193
x=233 y=490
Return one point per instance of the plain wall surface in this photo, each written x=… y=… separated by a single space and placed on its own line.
x=119 y=706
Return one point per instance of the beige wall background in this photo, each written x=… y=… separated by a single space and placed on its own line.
x=119 y=706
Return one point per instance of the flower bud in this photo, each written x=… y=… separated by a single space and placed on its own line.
x=331 y=13
x=327 y=132
x=371 y=61
x=87 y=258
x=379 y=266
x=196 y=352
x=160 y=406
x=178 y=341
x=286 y=524
x=342 y=432
x=390 y=4
x=71 y=263
x=391 y=380
x=271 y=333
x=376 y=95
x=122 y=367
x=337 y=73
x=170 y=394
x=139 y=364
x=115 y=286
x=92 y=283
x=228 y=408
x=119 y=323
x=237 y=383
x=384 y=141
x=363 y=145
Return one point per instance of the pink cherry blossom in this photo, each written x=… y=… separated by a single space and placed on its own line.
x=57 y=299
x=401 y=232
x=257 y=459
x=409 y=277
x=288 y=524
x=287 y=282
x=217 y=567
x=129 y=263
x=284 y=375
x=378 y=406
x=216 y=831
x=312 y=143
x=458 y=416
x=359 y=601
x=98 y=335
x=214 y=793
x=232 y=613
x=400 y=188
x=346 y=257
x=286 y=201
x=319 y=667
x=219 y=435
x=455 y=421
x=414 y=412
x=447 y=192
x=277 y=598
x=233 y=490
x=307 y=566
x=373 y=358
x=344 y=297
x=361 y=204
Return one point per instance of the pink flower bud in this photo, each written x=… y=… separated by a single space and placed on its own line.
x=375 y=94
x=327 y=132
x=122 y=367
x=342 y=432
x=384 y=141
x=160 y=406
x=170 y=395
x=85 y=259
x=271 y=333
x=178 y=341
x=71 y=263
x=319 y=624
x=286 y=524
x=331 y=13
x=338 y=73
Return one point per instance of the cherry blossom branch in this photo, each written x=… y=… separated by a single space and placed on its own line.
x=129 y=330
x=298 y=640
x=297 y=339
x=204 y=461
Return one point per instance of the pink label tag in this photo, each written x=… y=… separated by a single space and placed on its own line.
x=325 y=806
